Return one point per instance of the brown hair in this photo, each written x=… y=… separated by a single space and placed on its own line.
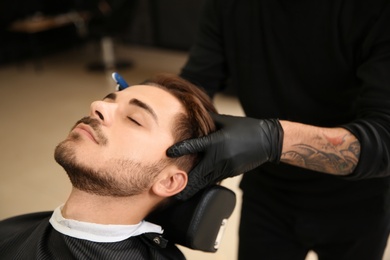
x=196 y=122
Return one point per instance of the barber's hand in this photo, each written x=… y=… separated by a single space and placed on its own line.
x=240 y=145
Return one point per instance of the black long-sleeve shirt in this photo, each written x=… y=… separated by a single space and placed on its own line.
x=324 y=63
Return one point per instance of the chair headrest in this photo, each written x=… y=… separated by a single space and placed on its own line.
x=199 y=222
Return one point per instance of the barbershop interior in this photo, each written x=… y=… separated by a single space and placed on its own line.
x=56 y=57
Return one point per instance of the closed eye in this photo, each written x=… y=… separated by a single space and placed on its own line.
x=134 y=121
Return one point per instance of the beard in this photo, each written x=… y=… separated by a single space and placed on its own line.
x=117 y=178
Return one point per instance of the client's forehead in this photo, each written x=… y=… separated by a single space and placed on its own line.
x=148 y=92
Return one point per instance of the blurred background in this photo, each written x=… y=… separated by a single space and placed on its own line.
x=56 y=57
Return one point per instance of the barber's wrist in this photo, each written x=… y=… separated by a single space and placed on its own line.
x=276 y=136
x=279 y=142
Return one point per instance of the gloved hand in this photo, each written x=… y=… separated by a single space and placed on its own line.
x=240 y=145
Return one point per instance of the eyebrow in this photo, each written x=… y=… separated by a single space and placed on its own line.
x=111 y=96
x=144 y=106
x=138 y=103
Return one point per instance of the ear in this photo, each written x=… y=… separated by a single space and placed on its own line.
x=170 y=182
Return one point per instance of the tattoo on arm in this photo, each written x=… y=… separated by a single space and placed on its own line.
x=333 y=155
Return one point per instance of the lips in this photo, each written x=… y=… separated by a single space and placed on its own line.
x=87 y=131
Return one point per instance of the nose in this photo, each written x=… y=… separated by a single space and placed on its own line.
x=103 y=111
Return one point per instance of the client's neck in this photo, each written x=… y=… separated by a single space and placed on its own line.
x=87 y=207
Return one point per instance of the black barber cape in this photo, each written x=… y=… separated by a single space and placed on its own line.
x=31 y=236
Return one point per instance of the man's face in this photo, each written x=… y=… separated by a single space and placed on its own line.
x=120 y=148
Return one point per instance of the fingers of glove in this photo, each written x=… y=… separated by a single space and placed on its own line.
x=199 y=177
x=189 y=146
x=190 y=190
x=194 y=185
x=183 y=195
x=187 y=193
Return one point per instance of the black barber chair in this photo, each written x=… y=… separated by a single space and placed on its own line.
x=199 y=222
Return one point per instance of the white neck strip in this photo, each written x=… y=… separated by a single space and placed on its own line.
x=99 y=232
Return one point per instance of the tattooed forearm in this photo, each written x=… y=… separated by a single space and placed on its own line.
x=338 y=155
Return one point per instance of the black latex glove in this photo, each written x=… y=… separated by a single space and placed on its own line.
x=240 y=145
